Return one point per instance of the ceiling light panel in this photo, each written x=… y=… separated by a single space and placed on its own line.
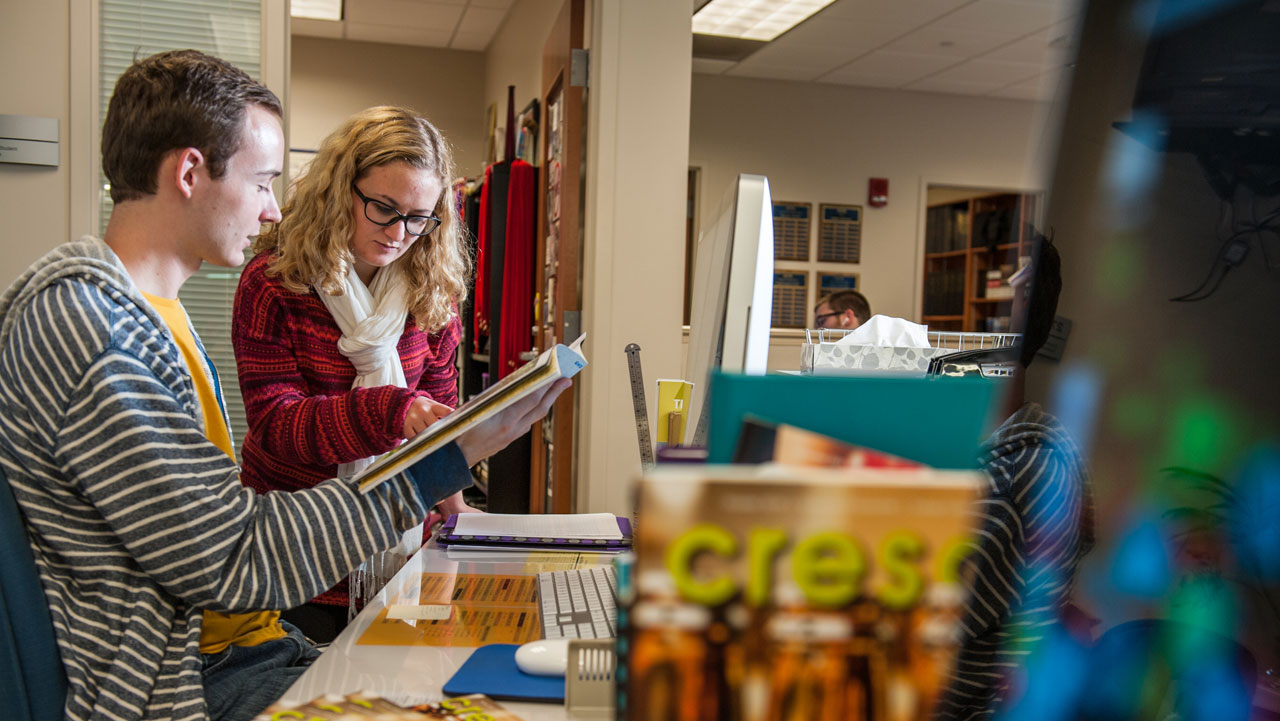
x=316 y=9
x=754 y=19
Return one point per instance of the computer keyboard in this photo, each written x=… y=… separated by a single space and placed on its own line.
x=579 y=603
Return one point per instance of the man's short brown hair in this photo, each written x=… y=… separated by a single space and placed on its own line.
x=172 y=100
x=843 y=300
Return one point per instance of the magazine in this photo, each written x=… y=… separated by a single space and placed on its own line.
x=371 y=707
x=762 y=442
x=559 y=362
x=785 y=593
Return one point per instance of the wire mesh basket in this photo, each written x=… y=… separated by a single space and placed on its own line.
x=823 y=353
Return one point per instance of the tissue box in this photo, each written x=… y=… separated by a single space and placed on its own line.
x=822 y=358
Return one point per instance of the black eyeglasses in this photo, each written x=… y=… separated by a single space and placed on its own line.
x=817 y=319
x=379 y=213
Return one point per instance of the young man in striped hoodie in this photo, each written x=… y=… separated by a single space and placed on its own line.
x=1036 y=525
x=114 y=441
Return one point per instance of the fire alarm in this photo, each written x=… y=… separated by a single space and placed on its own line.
x=878 y=192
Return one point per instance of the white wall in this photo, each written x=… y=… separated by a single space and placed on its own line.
x=35 y=80
x=332 y=79
x=821 y=143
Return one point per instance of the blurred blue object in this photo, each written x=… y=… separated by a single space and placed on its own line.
x=1056 y=672
x=1153 y=669
x=1141 y=566
x=1257 y=506
x=1076 y=393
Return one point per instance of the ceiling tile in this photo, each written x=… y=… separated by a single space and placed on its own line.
x=952 y=42
x=709 y=66
x=824 y=57
x=1059 y=9
x=398 y=35
x=988 y=72
x=903 y=67
x=774 y=72
x=840 y=33
x=504 y=4
x=903 y=14
x=1005 y=16
x=1042 y=87
x=470 y=41
x=406 y=14
x=481 y=20
x=1050 y=48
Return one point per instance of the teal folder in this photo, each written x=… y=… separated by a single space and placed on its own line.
x=940 y=422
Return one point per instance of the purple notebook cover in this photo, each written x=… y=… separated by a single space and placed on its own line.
x=446 y=537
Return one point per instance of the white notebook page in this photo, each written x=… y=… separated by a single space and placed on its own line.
x=539 y=525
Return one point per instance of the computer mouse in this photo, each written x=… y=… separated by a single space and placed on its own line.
x=545 y=657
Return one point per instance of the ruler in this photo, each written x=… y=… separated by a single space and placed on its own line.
x=637 y=402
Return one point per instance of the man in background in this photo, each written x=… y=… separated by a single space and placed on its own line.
x=843 y=310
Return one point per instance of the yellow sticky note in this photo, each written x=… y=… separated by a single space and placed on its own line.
x=673 y=410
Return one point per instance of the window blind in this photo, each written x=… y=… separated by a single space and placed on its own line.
x=231 y=30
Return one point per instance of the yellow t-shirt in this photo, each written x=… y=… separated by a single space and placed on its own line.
x=220 y=629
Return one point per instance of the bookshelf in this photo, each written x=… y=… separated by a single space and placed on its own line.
x=969 y=243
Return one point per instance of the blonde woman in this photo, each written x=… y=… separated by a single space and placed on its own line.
x=346 y=324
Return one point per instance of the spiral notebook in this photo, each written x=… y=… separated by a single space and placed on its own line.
x=537 y=531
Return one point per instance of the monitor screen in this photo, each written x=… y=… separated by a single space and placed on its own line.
x=732 y=292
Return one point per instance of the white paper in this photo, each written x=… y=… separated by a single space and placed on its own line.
x=539 y=525
x=882 y=330
x=428 y=612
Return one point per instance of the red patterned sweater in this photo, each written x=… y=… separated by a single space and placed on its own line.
x=304 y=417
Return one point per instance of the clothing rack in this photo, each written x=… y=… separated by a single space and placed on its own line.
x=505 y=303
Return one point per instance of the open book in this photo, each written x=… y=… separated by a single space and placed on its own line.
x=559 y=362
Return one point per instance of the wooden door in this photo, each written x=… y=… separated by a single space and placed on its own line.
x=552 y=480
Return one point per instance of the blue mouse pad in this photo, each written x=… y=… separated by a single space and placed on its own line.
x=492 y=671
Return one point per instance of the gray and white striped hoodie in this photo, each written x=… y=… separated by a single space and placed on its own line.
x=136 y=521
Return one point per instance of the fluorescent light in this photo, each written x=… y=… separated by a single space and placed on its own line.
x=754 y=19
x=316 y=9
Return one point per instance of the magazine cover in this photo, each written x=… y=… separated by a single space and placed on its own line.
x=794 y=593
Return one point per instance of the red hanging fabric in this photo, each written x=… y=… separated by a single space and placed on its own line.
x=517 y=277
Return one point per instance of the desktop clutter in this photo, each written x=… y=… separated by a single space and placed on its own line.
x=801 y=571
x=577 y=607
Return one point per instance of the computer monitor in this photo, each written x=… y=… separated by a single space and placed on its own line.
x=732 y=293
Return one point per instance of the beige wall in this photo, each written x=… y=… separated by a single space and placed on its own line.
x=637 y=161
x=331 y=79
x=34 y=80
x=514 y=57
x=821 y=143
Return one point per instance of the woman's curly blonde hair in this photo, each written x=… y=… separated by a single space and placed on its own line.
x=312 y=242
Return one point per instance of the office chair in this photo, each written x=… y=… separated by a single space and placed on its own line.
x=985 y=362
x=32 y=680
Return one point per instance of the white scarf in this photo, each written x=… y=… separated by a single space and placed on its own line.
x=371 y=320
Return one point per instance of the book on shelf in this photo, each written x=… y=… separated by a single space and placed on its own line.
x=554 y=363
x=773 y=592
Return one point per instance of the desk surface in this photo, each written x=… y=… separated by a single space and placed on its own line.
x=418 y=672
